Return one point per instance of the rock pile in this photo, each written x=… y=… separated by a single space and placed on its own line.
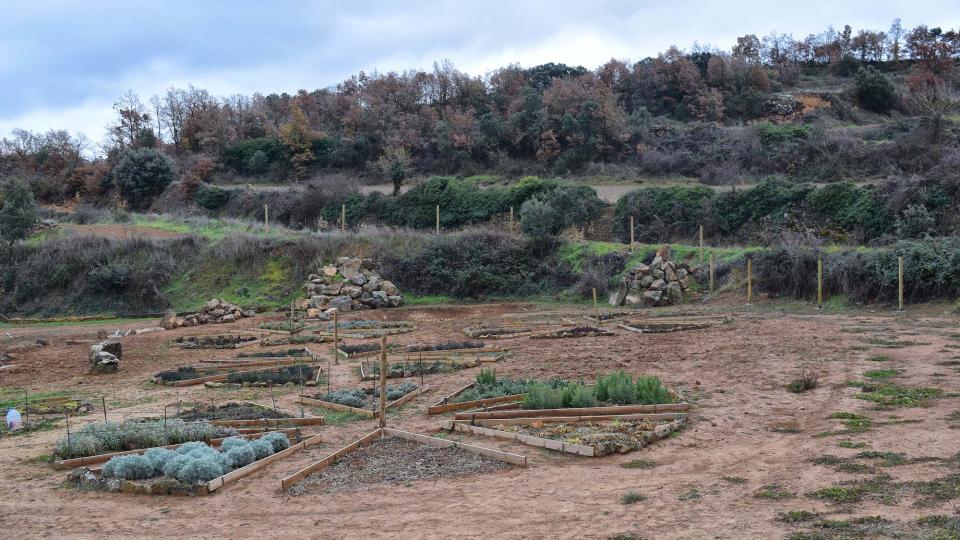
x=350 y=284
x=214 y=311
x=105 y=356
x=660 y=283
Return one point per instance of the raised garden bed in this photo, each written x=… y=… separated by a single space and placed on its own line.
x=244 y=415
x=190 y=376
x=364 y=401
x=392 y=456
x=363 y=350
x=294 y=340
x=193 y=469
x=364 y=329
x=658 y=325
x=225 y=341
x=574 y=332
x=584 y=437
x=485 y=391
x=414 y=365
x=107 y=437
x=55 y=406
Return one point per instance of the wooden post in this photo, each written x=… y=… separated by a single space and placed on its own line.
x=511 y=219
x=383 y=381
x=900 y=279
x=103 y=401
x=749 y=280
x=596 y=311
x=819 y=282
x=336 y=337
x=701 y=245
x=631 y=232
x=711 y=273
x=292 y=316
x=438 y=219
x=266 y=217
x=343 y=218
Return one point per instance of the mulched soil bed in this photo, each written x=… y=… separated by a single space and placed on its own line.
x=230 y=411
x=393 y=460
x=606 y=437
x=276 y=354
x=580 y=331
x=446 y=346
x=212 y=342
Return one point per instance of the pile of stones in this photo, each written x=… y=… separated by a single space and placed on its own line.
x=350 y=284
x=660 y=283
x=214 y=311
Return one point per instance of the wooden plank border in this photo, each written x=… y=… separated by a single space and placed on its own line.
x=550 y=444
x=575 y=411
x=444 y=405
x=271 y=422
x=247 y=470
x=572 y=419
x=296 y=477
x=506 y=457
x=224 y=376
x=336 y=407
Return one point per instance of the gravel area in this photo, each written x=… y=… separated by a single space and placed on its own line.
x=393 y=460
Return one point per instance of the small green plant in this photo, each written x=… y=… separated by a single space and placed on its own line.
x=881 y=373
x=734 y=479
x=632 y=497
x=891 y=395
x=878 y=358
x=487 y=377
x=543 y=396
x=638 y=464
x=852 y=444
x=806 y=379
x=773 y=492
x=796 y=516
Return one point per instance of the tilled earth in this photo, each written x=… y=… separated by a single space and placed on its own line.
x=755 y=461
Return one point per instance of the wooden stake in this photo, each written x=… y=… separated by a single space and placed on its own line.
x=266 y=217
x=900 y=279
x=292 y=316
x=343 y=218
x=749 y=280
x=438 y=219
x=596 y=310
x=711 y=273
x=631 y=232
x=819 y=282
x=336 y=337
x=103 y=401
x=511 y=219
x=701 y=245
x=383 y=381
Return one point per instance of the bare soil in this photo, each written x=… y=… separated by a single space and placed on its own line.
x=746 y=433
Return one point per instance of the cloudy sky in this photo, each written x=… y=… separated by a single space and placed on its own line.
x=63 y=63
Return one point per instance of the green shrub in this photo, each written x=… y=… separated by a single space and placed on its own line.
x=199 y=470
x=174 y=464
x=261 y=448
x=241 y=456
x=779 y=133
x=232 y=442
x=616 y=387
x=141 y=175
x=347 y=396
x=103 y=437
x=18 y=213
x=650 y=391
x=158 y=458
x=130 y=467
x=578 y=395
x=874 y=90
x=211 y=198
x=543 y=396
x=278 y=440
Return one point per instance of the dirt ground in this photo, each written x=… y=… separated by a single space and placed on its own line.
x=746 y=433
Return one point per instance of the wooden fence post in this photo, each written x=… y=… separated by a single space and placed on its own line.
x=711 y=273
x=900 y=286
x=596 y=310
x=383 y=381
x=819 y=282
x=749 y=280
x=701 y=245
x=438 y=219
x=343 y=218
x=266 y=217
x=336 y=338
x=631 y=232
x=511 y=219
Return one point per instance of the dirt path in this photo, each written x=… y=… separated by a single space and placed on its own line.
x=746 y=432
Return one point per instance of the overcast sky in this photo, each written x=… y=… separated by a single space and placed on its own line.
x=63 y=63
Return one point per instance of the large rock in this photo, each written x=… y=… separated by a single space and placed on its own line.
x=358 y=280
x=105 y=356
x=389 y=288
x=673 y=294
x=348 y=272
x=342 y=303
x=329 y=271
x=351 y=290
x=652 y=297
x=170 y=320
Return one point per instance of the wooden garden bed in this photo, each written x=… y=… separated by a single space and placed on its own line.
x=661 y=325
x=574 y=412
x=220 y=377
x=446 y=405
x=103 y=458
x=369 y=413
x=602 y=426
x=574 y=332
x=296 y=478
x=218 y=341
x=162 y=487
x=454 y=361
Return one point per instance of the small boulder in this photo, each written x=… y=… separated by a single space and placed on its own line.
x=170 y=320
x=359 y=280
x=389 y=288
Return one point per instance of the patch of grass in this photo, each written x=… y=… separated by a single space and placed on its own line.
x=796 y=516
x=806 y=379
x=878 y=358
x=339 y=418
x=879 y=487
x=773 y=492
x=939 y=491
x=639 y=464
x=783 y=429
x=881 y=373
x=42 y=458
x=891 y=395
x=632 y=497
x=734 y=479
x=425 y=300
x=692 y=494
x=852 y=444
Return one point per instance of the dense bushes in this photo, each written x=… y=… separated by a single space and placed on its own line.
x=103 y=437
x=141 y=175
